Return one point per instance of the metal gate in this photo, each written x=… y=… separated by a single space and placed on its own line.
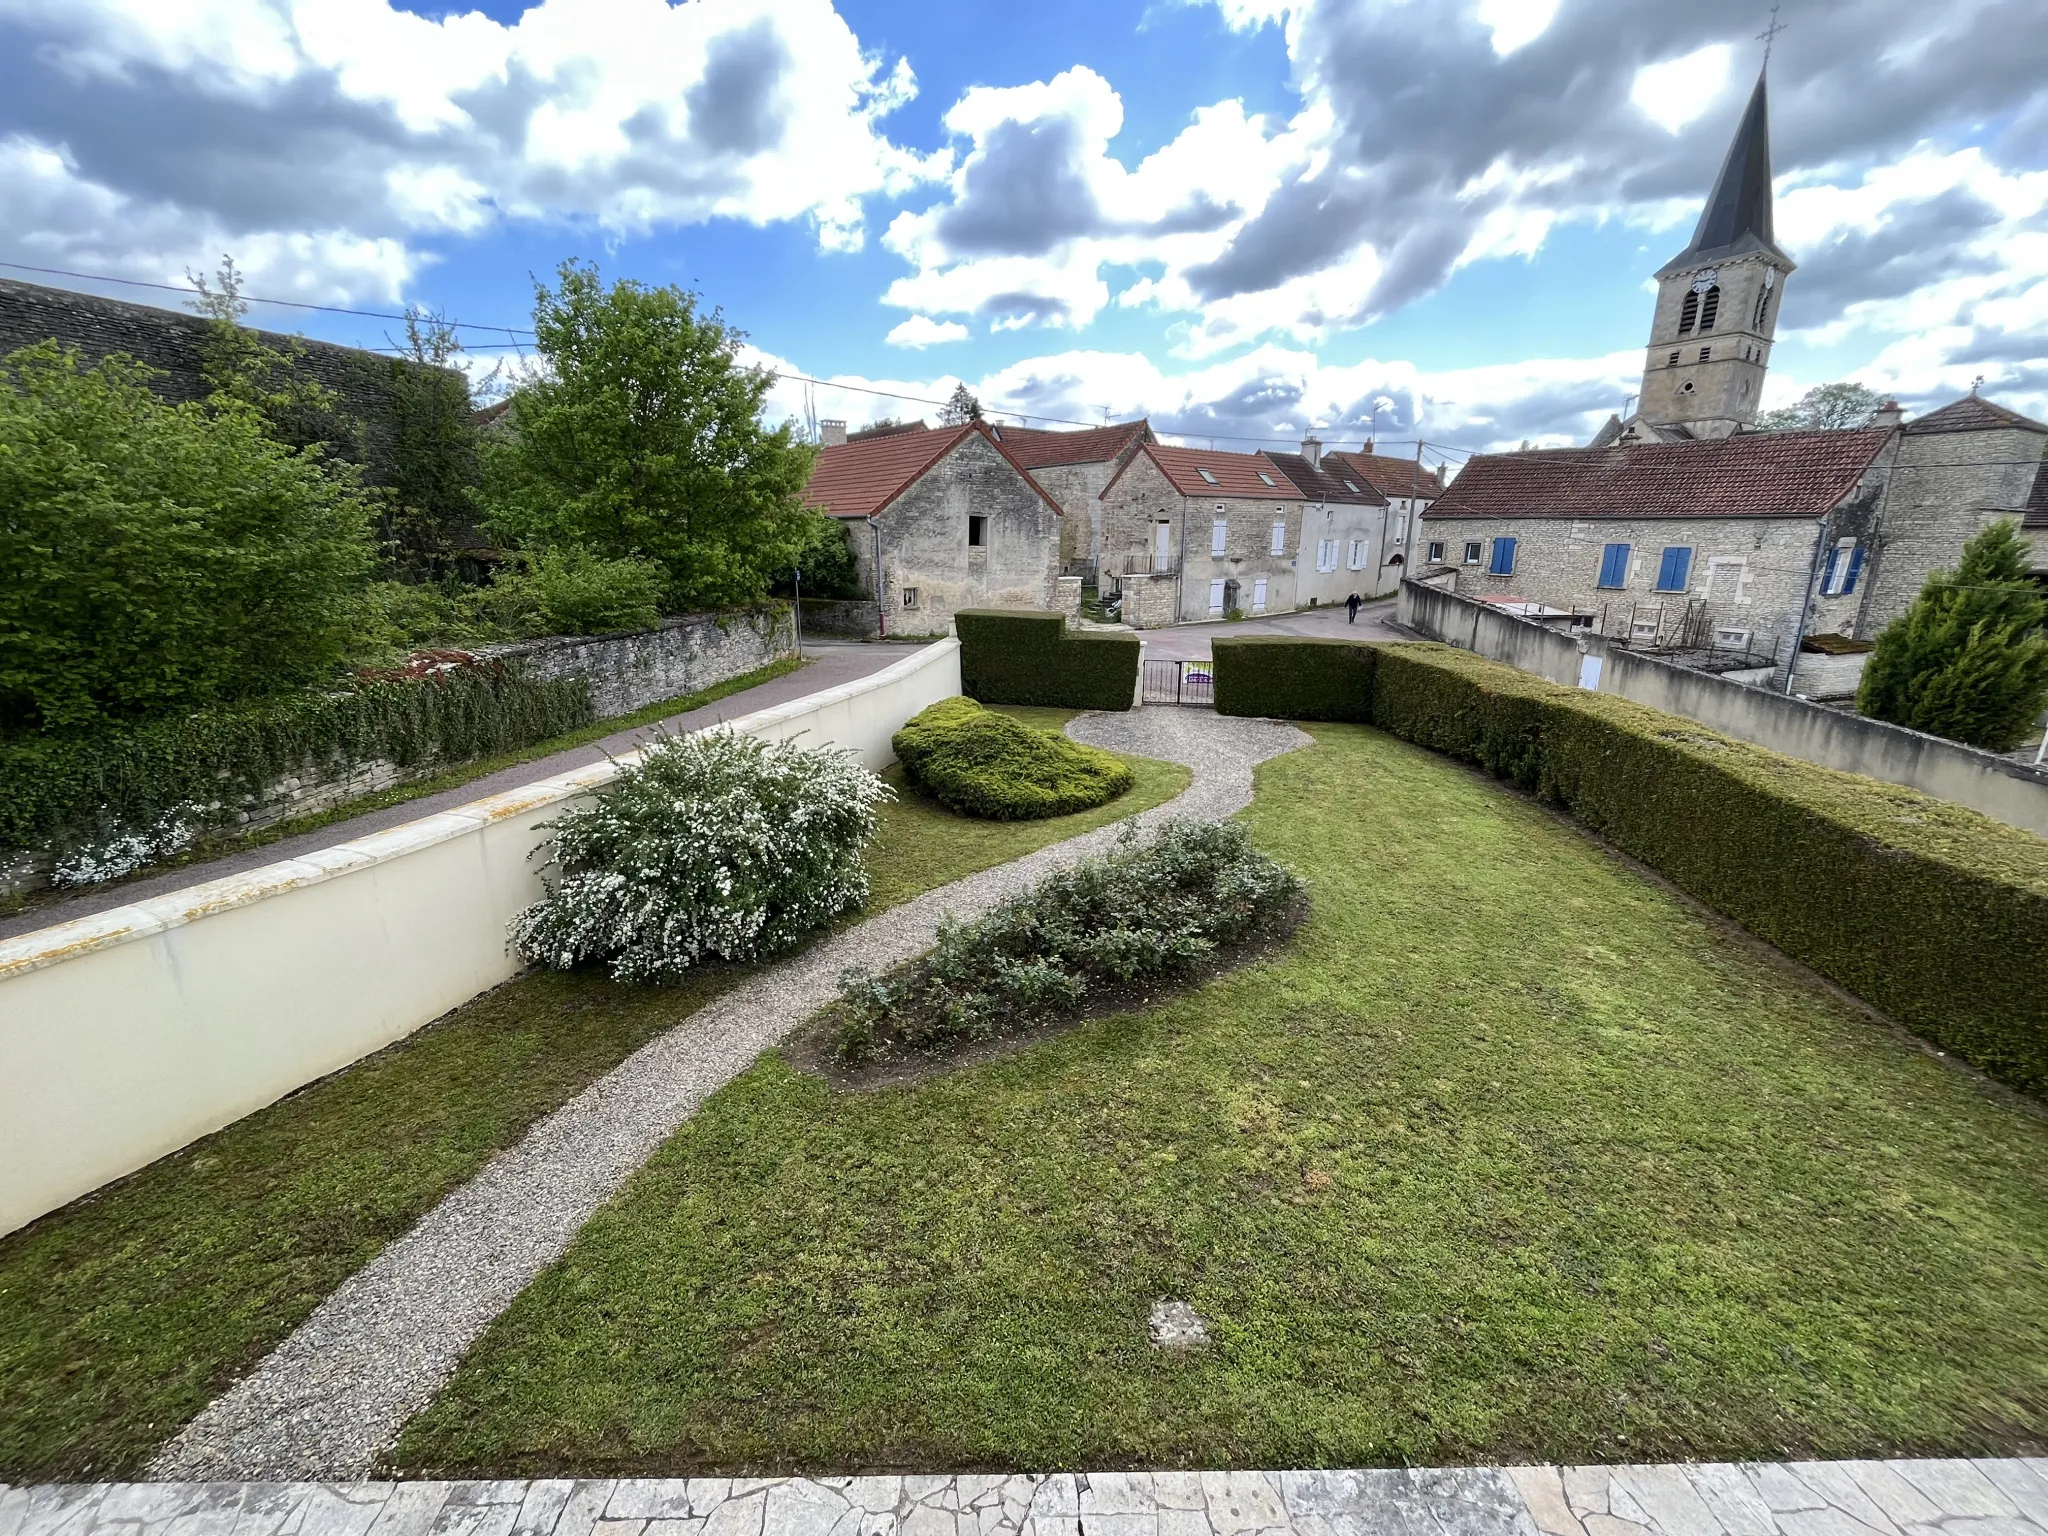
x=1180 y=682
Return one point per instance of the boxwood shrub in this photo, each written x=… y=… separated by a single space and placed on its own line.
x=1933 y=913
x=980 y=763
x=1022 y=656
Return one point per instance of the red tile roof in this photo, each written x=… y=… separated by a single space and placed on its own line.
x=1973 y=413
x=1328 y=483
x=859 y=479
x=1229 y=474
x=1036 y=448
x=1388 y=475
x=1753 y=474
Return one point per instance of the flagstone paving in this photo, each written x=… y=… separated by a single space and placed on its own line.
x=2007 y=1497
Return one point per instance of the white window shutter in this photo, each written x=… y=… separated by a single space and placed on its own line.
x=1279 y=535
x=1219 y=536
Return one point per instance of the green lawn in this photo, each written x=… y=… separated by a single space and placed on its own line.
x=123 y=1315
x=1510 y=1156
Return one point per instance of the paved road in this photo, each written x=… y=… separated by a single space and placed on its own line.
x=828 y=666
x=2007 y=1497
x=1190 y=642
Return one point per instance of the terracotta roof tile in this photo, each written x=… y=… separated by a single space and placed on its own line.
x=1972 y=413
x=859 y=479
x=1212 y=472
x=1754 y=474
x=1035 y=448
x=1390 y=476
x=1329 y=483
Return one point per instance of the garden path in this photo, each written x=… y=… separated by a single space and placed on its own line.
x=2002 y=1497
x=331 y=1399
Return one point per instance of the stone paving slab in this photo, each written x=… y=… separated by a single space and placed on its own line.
x=1840 y=1498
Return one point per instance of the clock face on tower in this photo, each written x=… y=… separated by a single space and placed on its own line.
x=1706 y=280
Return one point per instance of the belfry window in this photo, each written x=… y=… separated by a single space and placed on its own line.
x=1689 y=314
x=1710 y=307
x=1763 y=304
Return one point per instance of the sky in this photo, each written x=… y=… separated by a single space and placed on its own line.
x=1247 y=219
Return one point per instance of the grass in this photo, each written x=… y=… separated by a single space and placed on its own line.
x=1513 y=1156
x=125 y=1313
x=216 y=845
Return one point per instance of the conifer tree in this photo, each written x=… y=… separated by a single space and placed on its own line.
x=1968 y=660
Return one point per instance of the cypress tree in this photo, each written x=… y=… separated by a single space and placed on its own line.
x=1968 y=660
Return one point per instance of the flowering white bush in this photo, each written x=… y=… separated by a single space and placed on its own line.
x=715 y=844
x=122 y=853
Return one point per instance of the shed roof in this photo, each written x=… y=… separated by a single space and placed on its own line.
x=1212 y=472
x=860 y=478
x=1753 y=474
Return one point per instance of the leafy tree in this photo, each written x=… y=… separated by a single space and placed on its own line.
x=242 y=367
x=826 y=559
x=644 y=439
x=1968 y=660
x=1824 y=408
x=159 y=557
x=421 y=455
x=961 y=408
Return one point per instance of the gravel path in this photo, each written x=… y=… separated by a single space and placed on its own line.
x=331 y=1399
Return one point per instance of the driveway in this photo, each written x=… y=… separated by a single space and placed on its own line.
x=1190 y=642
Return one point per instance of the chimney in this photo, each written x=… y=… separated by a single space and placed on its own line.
x=831 y=434
x=1312 y=450
x=1889 y=413
x=1368 y=447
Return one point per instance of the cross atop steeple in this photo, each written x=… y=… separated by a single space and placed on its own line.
x=1769 y=35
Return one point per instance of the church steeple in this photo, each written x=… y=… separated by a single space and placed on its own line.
x=1718 y=299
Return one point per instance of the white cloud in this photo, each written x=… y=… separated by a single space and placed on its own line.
x=919 y=331
x=1516 y=23
x=1675 y=92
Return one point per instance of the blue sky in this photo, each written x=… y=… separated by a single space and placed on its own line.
x=1243 y=217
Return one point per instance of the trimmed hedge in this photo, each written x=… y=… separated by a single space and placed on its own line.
x=66 y=791
x=1290 y=678
x=1022 y=656
x=980 y=763
x=1935 y=914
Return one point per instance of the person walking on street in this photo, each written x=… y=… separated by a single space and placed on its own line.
x=1351 y=608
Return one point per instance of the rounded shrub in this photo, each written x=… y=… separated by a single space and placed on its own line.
x=980 y=763
x=716 y=845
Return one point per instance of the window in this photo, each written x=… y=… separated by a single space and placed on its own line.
x=1685 y=388
x=1357 y=554
x=1436 y=550
x=1206 y=476
x=1710 y=307
x=1845 y=565
x=1642 y=629
x=1216 y=597
x=910 y=597
x=1400 y=527
x=1613 y=565
x=1326 y=554
x=1351 y=488
x=1503 y=558
x=977 y=532
x=1219 y=536
x=1763 y=304
x=1268 y=479
x=1733 y=639
x=1279 y=535
x=1689 y=314
x=1675 y=569
x=1259 y=595
x=1706 y=354
x=1471 y=551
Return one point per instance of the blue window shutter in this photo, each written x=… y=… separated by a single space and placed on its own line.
x=1827 y=572
x=1614 y=566
x=1675 y=569
x=1503 y=557
x=1855 y=569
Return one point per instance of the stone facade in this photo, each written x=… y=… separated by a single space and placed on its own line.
x=1710 y=380
x=1143 y=500
x=929 y=571
x=1363 y=547
x=1077 y=488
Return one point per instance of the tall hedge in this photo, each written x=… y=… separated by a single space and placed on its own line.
x=1022 y=656
x=64 y=791
x=1932 y=912
x=1286 y=677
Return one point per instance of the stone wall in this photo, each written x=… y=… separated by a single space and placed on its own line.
x=1077 y=488
x=928 y=571
x=173 y=342
x=1997 y=786
x=1150 y=602
x=848 y=618
x=1143 y=497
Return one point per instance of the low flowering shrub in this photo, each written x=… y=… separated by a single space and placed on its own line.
x=980 y=763
x=1151 y=910
x=714 y=845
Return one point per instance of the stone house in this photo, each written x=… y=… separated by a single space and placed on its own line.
x=1073 y=467
x=1742 y=545
x=1345 y=522
x=940 y=519
x=1408 y=489
x=1191 y=534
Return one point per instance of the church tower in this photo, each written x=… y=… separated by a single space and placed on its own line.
x=1718 y=301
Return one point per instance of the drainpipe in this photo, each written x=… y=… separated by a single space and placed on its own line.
x=881 y=608
x=1180 y=583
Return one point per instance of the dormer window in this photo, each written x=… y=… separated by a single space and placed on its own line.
x=1206 y=476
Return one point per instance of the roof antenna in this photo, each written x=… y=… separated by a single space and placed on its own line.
x=1770 y=33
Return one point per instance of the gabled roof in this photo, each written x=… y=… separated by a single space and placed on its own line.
x=1737 y=218
x=1973 y=413
x=1036 y=448
x=1212 y=472
x=861 y=478
x=1328 y=482
x=2036 y=514
x=1388 y=475
x=1753 y=474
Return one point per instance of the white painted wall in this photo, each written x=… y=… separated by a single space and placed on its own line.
x=130 y=1033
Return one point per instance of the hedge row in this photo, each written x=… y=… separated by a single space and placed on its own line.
x=1020 y=656
x=1293 y=679
x=1935 y=914
x=62 y=792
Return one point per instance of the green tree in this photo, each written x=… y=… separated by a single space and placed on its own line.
x=242 y=367
x=644 y=438
x=826 y=559
x=1968 y=660
x=961 y=407
x=1824 y=408
x=421 y=454
x=159 y=557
